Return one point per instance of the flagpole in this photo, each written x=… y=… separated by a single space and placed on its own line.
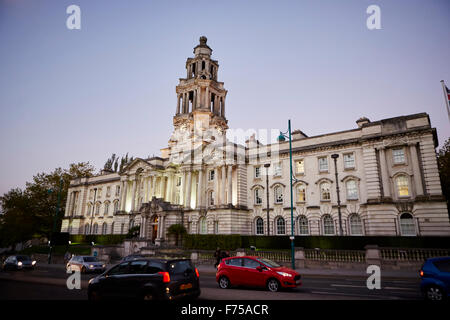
x=446 y=98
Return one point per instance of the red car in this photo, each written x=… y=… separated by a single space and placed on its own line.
x=255 y=272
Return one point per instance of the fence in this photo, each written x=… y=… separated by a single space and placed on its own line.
x=411 y=255
x=335 y=255
x=277 y=256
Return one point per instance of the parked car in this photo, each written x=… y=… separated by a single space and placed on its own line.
x=85 y=264
x=255 y=272
x=147 y=279
x=435 y=278
x=132 y=257
x=19 y=262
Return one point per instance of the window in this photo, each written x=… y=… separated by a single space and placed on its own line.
x=181 y=267
x=202 y=225
x=281 y=226
x=352 y=190
x=300 y=166
x=116 y=206
x=277 y=169
x=211 y=175
x=258 y=198
x=138 y=267
x=104 y=228
x=250 y=263
x=178 y=181
x=106 y=208
x=349 y=161
x=303 y=225
x=89 y=209
x=355 y=225
x=325 y=191
x=407 y=226
x=112 y=228
x=236 y=262
x=257 y=172
x=97 y=208
x=117 y=191
x=91 y=194
x=95 y=229
x=398 y=155
x=402 y=185
x=108 y=191
x=328 y=225
x=211 y=198
x=99 y=193
x=216 y=227
x=86 y=228
x=278 y=191
x=259 y=226
x=120 y=269
x=301 y=193
x=323 y=164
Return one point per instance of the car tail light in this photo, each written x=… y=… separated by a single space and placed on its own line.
x=196 y=272
x=166 y=276
x=421 y=273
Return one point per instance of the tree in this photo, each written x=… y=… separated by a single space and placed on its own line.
x=178 y=230
x=133 y=232
x=443 y=158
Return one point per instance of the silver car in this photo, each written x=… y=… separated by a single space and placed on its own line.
x=85 y=264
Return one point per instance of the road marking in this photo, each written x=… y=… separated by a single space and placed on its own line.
x=396 y=288
x=347 y=285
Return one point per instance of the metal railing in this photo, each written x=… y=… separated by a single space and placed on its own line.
x=277 y=256
x=335 y=255
x=402 y=254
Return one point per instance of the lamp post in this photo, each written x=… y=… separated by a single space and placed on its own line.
x=292 y=237
x=267 y=165
x=54 y=220
x=335 y=156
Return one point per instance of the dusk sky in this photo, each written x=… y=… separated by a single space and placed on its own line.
x=68 y=96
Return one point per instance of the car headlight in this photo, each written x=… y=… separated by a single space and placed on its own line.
x=91 y=266
x=284 y=274
x=33 y=263
x=91 y=280
x=19 y=263
x=104 y=265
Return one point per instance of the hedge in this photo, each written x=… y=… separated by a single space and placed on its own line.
x=98 y=239
x=58 y=250
x=232 y=242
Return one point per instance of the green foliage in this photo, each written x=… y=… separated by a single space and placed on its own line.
x=178 y=230
x=133 y=232
x=443 y=160
x=107 y=239
x=58 y=250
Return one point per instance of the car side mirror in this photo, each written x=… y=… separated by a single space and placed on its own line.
x=260 y=269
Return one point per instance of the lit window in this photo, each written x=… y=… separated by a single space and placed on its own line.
x=325 y=191
x=355 y=225
x=352 y=190
x=278 y=194
x=300 y=166
x=407 y=226
x=398 y=155
x=277 y=169
x=259 y=226
x=328 y=225
x=301 y=193
x=349 y=161
x=257 y=172
x=258 y=198
x=303 y=225
x=323 y=164
x=402 y=186
x=281 y=226
x=211 y=175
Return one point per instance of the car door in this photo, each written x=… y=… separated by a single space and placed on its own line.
x=251 y=275
x=111 y=284
x=235 y=271
x=444 y=272
x=132 y=282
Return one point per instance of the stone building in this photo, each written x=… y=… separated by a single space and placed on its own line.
x=387 y=176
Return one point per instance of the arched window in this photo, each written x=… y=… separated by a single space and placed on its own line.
x=97 y=208
x=352 y=190
x=87 y=228
x=402 y=185
x=259 y=226
x=202 y=225
x=281 y=226
x=131 y=225
x=407 y=226
x=258 y=197
x=211 y=198
x=325 y=191
x=355 y=225
x=112 y=228
x=89 y=209
x=301 y=193
x=104 y=228
x=95 y=229
x=106 y=208
x=328 y=225
x=278 y=192
x=303 y=225
x=116 y=206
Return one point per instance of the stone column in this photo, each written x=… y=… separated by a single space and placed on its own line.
x=223 y=199
x=384 y=173
x=145 y=189
x=162 y=187
x=223 y=106
x=194 y=100
x=183 y=188
x=187 y=203
x=124 y=195
x=200 y=189
x=161 y=229
x=416 y=169
x=207 y=100
x=230 y=184
x=299 y=257
x=133 y=195
x=216 y=186
x=178 y=103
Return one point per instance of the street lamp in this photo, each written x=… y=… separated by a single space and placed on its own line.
x=267 y=165
x=335 y=156
x=292 y=237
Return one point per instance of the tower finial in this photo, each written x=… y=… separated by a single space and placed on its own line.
x=203 y=40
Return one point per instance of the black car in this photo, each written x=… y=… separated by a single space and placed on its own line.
x=147 y=279
x=132 y=257
x=19 y=262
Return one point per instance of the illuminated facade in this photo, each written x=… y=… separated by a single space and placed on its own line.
x=387 y=171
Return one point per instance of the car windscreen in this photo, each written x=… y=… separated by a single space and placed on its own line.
x=179 y=267
x=269 y=263
x=442 y=265
x=23 y=258
x=90 y=259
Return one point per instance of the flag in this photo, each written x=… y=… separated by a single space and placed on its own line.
x=447 y=98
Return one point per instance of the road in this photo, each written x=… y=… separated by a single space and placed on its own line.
x=46 y=283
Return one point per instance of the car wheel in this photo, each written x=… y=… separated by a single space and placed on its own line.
x=224 y=283
x=434 y=293
x=94 y=295
x=273 y=285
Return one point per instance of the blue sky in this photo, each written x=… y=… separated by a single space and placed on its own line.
x=79 y=95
